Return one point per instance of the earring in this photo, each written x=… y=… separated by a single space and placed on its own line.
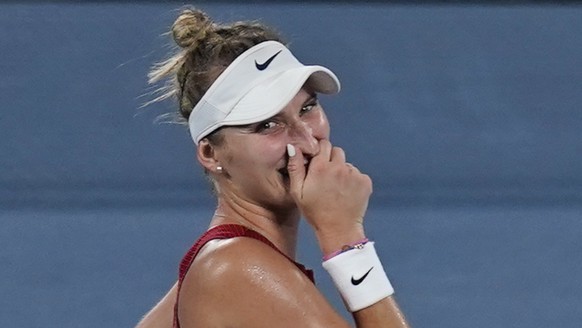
x=219 y=169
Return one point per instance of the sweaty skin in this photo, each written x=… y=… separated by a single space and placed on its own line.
x=242 y=282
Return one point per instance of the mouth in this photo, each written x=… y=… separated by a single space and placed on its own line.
x=284 y=172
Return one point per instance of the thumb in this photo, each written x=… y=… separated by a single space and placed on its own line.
x=296 y=170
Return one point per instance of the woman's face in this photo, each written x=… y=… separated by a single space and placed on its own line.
x=254 y=157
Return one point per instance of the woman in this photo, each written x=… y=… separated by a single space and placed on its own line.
x=263 y=139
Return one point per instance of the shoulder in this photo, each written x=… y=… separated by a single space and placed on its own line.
x=244 y=280
x=241 y=260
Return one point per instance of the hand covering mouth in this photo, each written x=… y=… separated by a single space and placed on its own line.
x=284 y=172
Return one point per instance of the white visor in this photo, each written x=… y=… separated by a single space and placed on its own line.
x=257 y=85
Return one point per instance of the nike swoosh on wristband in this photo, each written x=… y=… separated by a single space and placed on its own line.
x=263 y=66
x=356 y=282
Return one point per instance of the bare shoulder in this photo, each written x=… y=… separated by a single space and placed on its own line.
x=242 y=280
x=243 y=259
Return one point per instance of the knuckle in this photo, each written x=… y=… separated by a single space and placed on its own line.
x=292 y=166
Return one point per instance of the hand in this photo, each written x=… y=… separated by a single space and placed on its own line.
x=332 y=195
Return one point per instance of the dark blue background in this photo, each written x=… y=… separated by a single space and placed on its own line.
x=468 y=119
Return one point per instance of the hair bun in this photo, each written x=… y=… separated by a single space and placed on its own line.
x=191 y=27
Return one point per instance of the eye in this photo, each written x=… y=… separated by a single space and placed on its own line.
x=265 y=126
x=309 y=106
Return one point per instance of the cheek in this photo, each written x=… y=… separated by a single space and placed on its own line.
x=262 y=153
x=273 y=150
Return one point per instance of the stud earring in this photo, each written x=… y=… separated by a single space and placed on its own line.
x=219 y=169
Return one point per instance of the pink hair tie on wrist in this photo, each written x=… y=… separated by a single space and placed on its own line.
x=357 y=245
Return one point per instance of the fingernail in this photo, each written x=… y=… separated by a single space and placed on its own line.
x=290 y=150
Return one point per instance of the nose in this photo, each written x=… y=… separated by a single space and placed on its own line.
x=302 y=136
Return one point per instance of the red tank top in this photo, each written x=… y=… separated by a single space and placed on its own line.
x=224 y=231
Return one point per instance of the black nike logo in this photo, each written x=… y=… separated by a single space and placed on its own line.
x=356 y=282
x=263 y=66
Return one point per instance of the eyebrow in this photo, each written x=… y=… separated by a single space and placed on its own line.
x=312 y=97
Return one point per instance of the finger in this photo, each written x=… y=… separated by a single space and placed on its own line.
x=296 y=170
x=338 y=155
x=324 y=154
x=352 y=168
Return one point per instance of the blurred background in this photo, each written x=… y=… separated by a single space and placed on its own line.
x=467 y=116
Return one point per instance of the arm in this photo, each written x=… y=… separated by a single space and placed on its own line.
x=385 y=313
x=162 y=315
x=333 y=197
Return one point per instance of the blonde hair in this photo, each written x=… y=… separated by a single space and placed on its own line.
x=205 y=50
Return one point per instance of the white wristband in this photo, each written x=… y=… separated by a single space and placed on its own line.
x=359 y=277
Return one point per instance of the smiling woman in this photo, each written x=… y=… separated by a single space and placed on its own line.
x=263 y=138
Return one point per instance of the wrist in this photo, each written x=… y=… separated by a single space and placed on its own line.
x=360 y=277
x=330 y=241
x=347 y=247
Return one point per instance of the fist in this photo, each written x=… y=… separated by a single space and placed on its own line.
x=331 y=194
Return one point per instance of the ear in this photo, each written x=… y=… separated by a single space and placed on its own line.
x=206 y=154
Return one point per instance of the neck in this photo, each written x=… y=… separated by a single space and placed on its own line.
x=279 y=226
